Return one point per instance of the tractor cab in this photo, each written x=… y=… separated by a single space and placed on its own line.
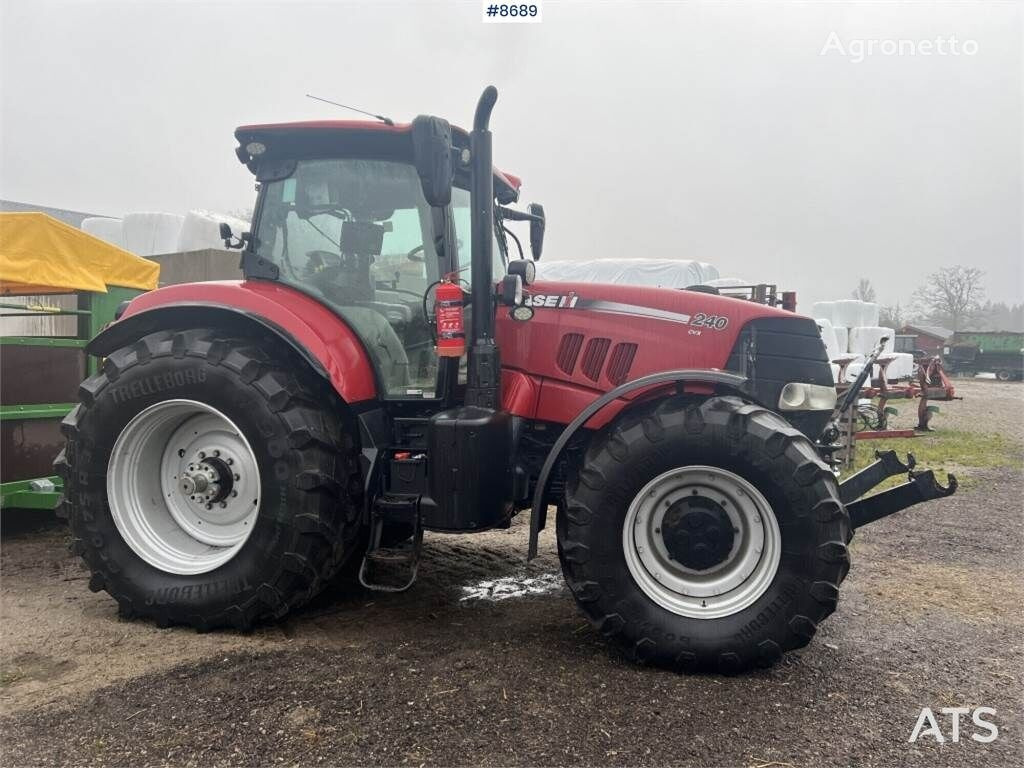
x=342 y=216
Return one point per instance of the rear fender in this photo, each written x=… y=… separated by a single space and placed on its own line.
x=309 y=328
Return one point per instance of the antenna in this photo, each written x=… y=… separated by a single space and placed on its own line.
x=385 y=120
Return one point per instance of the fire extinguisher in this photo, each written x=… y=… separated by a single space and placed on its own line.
x=451 y=332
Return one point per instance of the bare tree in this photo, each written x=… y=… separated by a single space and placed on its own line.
x=864 y=291
x=951 y=297
x=891 y=316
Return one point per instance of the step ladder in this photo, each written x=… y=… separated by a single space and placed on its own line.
x=392 y=568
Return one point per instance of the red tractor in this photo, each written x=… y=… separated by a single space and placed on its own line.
x=247 y=441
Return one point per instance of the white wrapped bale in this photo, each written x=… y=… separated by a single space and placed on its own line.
x=868 y=314
x=835 y=372
x=842 y=337
x=200 y=230
x=828 y=335
x=727 y=282
x=708 y=272
x=853 y=371
x=108 y=229
x=665 y=273
x=846 y=313
x=152 y=233
x=824 y=309
x=901 y=368
x=864 y=340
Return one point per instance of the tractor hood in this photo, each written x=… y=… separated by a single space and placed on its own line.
x=597 y=336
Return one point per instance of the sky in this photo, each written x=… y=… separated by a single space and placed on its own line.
x=774 y=140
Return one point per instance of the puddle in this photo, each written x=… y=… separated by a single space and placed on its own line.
x=508 y=587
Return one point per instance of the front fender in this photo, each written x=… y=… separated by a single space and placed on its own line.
x=720 y=379
x=312 y=330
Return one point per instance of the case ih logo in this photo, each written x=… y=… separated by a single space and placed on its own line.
x=567 y=301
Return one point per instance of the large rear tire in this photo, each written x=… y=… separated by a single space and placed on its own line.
x=704 y=536
x=208 y=481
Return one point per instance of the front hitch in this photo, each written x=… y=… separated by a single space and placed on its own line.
x=887 y=465
x=922 y=486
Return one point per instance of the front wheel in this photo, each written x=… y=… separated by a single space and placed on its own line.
x=208 y=482
x=704 y=536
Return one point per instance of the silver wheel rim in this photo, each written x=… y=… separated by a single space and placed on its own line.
x=729 y=586
x=183 y=487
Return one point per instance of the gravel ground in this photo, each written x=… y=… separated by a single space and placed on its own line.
x=487 y=661
x=989 y=406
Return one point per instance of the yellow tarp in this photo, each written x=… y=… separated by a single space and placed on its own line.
x=39 y=254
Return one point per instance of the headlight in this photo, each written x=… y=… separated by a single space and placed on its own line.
x=797 y=396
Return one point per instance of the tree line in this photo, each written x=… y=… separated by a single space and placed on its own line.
x=951 y=298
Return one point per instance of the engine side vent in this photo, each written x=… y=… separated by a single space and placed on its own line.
x=593 y=357
x=620 y=362
x=568 y=351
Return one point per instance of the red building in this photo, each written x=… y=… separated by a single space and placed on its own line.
x=928 y=338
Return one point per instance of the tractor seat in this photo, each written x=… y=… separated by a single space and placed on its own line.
x=381 y=342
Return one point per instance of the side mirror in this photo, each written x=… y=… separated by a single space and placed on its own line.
x=537 y=224
x=227 y=236
x=432 y=152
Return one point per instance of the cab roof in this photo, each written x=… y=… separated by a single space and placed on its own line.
x=370 y=137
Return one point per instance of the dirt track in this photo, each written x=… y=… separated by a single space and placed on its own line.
x=931 y=615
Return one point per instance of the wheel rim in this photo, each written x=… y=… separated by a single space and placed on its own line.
x=680 y=553
x=183 y=487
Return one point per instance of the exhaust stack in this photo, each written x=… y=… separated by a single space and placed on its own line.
x=484 y=365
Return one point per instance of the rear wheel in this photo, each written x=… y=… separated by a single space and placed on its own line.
x=704 y=536
x=1003 y=375
x=208 y=482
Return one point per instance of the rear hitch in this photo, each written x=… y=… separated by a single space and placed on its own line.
x=887 y=465
x=922 y=487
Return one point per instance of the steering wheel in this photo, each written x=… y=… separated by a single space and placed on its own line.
x=319 y=261
x=421 y=249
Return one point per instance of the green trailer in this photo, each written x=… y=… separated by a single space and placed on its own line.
x=43 y=259
x=998 y=352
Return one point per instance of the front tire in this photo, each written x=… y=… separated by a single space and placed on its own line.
x=704 y=536
x=208 y=482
